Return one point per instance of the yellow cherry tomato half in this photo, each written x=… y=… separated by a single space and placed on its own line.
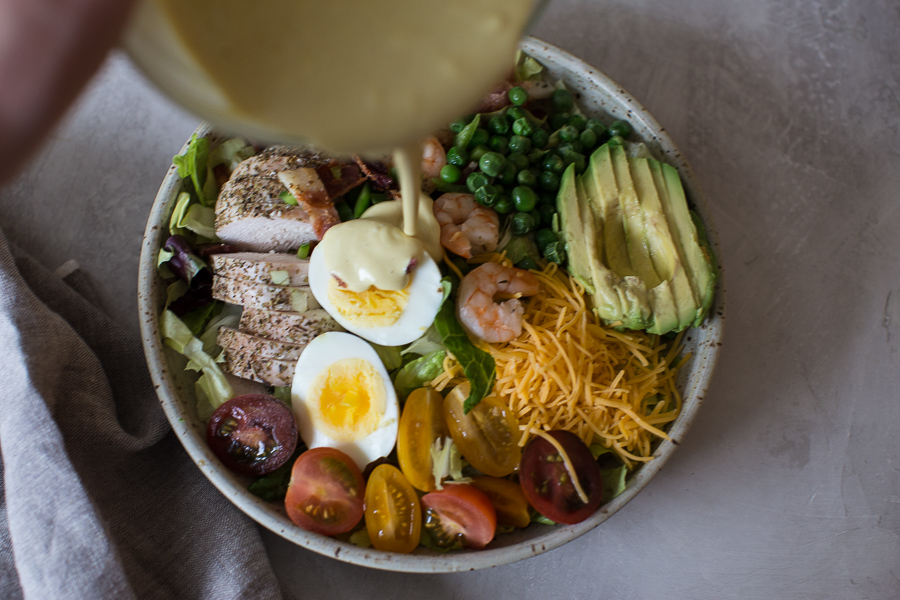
x=487 y=436
x=393 y=515
x=421 y=423
x=508 y=500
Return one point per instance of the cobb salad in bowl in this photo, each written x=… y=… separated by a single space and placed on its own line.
x=531 y=368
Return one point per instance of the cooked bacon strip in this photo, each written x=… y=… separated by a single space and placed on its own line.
x=348 y=177
x=376 y=172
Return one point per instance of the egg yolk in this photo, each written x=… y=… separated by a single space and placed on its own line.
x=349 y=397
x=371 y=308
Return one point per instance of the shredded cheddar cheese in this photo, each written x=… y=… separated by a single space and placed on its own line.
x=566 y=371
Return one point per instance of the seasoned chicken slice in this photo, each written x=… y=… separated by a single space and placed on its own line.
x=257 y=295
x=247 y=343
x=258 y=368
x=293 y=327
x=251 y=214
x=261 y=267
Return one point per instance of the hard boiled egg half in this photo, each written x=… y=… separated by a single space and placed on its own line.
x=384 y=317
x=342 y=397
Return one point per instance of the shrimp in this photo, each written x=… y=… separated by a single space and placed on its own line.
x=433 y=158
x=467 y=228
x=480 y=314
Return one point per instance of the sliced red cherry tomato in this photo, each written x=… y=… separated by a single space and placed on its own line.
x=393 y=516
x=252 y=434
x=507 y=498
x=460 y=515
x=547 y=483
x=486 y=437
x=421 y=423
x=326 y=492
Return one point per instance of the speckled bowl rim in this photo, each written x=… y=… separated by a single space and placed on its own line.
x=597 y=94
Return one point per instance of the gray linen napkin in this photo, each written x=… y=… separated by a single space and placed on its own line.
x=100 y=499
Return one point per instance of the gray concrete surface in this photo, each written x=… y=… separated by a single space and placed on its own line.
x=788 y=484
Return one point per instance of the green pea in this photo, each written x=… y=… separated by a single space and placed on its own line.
x=567 y=133
x=562 y=100
x=458 y=156
x=558 y=120
x=523 y=127
x=547 y=212
x=527 y=177
x=518 y=159
x=508 y=174
x=578 y=122
x=537 y=219
x=616 y=141
x=620 y=128
x=504 y=205
x=542 y=237
x=478 y=152
x=536 y=156
x=597 y=126
x=518 y=96
x=516 y=113
x=555 y=252
x=476 y=180
x=539 y=138
x=524 y=198
x=549 y=181
x=588 y=139
x=487 y=195
x=498 y=143
x=519 y=144
x=450 y=173
x=546 y=197
x=527 y=263
x=491 y=163
x=479 y=138
x=458 y=125
x=521 y=223
x=499 y=124
x=553 y=163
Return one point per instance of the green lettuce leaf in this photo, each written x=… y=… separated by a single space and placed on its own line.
x=417 y=373
x=527 y=68
x=477 y=365
x=429 y=343
x=389 y=355
x=231 y=153
x=613 y=481
x=272 y=487
x=178 y=336
x=194 y=163
x=464 y=137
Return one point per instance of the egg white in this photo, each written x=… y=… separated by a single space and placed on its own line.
x=425 y=296
x=323 y=351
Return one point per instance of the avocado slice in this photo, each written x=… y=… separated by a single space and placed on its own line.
x=696 y=256
x=603 y=198
x=633 y=220
x=675 y=306
x=574 y=229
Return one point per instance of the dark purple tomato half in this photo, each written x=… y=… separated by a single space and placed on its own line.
x=252 y=434
x=547 y=483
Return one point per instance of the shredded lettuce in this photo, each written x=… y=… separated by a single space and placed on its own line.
x=230 y=316
x=613 y=481
x=360 y=538
x=527 y=68
x=447 y=462
x=194 y=163
x=213 y=384
x=429 y=343
x=231 y=153
x=179 y=213
x=417 y=373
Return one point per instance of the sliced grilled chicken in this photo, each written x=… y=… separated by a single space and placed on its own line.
x=257 y=295
x=292 y=327
x=259 y=368
x=240 y=386
x=251 y=214
x=247 y=343
x=261 y=267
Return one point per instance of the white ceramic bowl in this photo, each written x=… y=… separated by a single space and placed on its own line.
x=598 y=96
